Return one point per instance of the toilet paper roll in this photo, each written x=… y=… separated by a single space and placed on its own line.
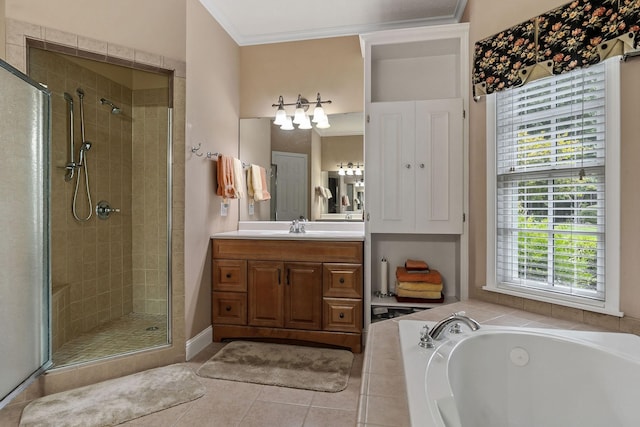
x=384 y=276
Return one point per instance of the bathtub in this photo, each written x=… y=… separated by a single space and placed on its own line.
x=521 y=377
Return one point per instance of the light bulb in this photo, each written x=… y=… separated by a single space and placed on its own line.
x=281 y=116
x=298 y=116
x=350 y=171
x=287 y=125
x=324 y=124
x=341 y=170
x=358 y=171
x=306 y=123
x=318 y=114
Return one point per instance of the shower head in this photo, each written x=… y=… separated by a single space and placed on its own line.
x=68 y=97
x=114 y=109
x=80 y=93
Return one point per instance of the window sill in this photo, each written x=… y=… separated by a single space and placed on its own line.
x=567 y=301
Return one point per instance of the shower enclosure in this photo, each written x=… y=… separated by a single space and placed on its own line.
x=110 y=200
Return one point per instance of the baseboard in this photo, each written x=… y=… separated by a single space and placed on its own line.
x=198 y=343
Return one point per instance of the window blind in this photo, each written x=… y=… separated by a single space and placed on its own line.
x=550 y=191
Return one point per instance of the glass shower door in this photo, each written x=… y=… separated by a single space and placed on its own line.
x=24 y=227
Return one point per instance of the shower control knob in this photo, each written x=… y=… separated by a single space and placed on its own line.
x=103 y=209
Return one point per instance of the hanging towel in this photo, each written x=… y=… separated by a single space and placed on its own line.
x=256 y=182
x=327 y=193
x=263 y=179
x=345 y=200
x=225 y=177
x=238 y=181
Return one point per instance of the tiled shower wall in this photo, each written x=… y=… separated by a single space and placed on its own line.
x=149 y=205
x=92 y=257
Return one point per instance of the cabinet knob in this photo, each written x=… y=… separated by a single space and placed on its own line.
x=341 y=280
x=408 y=166
x=341 y=315
x=228 y=308
x=421 y=165
x=228 y=275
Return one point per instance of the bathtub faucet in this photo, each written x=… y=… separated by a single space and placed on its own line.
x=453 y=320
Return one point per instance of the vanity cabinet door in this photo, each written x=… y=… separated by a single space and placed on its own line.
x=265 y=293
x=303 y=295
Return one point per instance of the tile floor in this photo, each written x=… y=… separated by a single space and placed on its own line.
x=124 y=335
x=229 y=403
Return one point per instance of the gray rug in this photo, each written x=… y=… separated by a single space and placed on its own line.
x=308 y=368
x=115 y=401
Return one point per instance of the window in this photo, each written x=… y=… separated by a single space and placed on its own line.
x=553 y=189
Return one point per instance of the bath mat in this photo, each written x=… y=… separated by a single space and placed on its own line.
x=309 y=368
x=115 y=401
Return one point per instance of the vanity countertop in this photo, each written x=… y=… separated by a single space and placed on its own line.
x=286 y=235
x=274 y=230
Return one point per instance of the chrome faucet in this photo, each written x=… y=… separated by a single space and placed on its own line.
x=297 y=226
x=453 y=320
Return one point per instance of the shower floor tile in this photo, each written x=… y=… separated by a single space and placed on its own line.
x=131 y=332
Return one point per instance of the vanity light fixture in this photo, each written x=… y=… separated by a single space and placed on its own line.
x=350 y=169
x=300 y=117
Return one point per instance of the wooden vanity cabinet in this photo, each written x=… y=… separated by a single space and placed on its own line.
x=289 y=290
x=285 y=295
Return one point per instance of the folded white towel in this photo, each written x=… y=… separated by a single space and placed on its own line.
x=327 y=193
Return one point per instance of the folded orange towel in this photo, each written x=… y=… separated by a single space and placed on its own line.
x=433 y=276
x=419 y=286
x=414 y=264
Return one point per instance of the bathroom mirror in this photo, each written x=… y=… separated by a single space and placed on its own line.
x=304 y=169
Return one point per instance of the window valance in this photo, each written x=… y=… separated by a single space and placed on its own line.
x=578 y=34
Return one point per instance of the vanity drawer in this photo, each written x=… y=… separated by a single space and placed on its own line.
x=341 y=314
x=342 y=280
x=230 y=275
x=229 y=308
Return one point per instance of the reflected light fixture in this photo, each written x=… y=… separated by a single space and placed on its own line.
x=350 y=169
x=341 y=171
x=300 y=116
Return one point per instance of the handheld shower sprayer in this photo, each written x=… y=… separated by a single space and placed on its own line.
x=114 y=108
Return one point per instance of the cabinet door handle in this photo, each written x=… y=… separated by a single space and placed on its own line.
x=279 y=278
x=288 y=278
x=341 y=280
x=228 y=308
x=341 y=315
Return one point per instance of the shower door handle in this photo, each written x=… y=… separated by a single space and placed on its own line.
x=103 y=209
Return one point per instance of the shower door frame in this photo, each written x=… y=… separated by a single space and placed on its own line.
x=42 y=162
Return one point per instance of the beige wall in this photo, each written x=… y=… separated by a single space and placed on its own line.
x=342 y=149
x=334 y=67
x=148 y=25
x=486 y=22
x=212 y=119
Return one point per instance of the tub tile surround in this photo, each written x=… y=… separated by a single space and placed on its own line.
x=63 y=379
x=383 y=398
